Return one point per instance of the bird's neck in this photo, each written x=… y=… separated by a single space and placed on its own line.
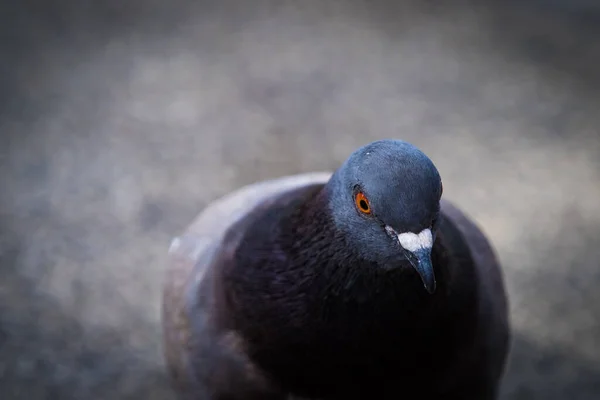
x=299 y=275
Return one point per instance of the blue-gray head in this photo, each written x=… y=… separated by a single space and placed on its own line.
x=386 y=200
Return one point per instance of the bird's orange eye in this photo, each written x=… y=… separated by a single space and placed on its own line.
x=362 y=203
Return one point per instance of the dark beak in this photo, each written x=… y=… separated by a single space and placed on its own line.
x=421 y=261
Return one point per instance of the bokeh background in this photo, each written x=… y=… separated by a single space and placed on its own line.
x=120 y=120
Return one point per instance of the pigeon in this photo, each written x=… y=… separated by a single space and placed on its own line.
x=362 y=283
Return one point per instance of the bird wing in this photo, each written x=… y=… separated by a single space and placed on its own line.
x=493 y=327
x=217 y=359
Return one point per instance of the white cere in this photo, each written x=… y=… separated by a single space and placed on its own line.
x=413 y=242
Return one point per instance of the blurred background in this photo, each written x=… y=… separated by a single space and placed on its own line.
x=120 y=120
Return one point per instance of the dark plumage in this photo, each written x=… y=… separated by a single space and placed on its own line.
x=295 y=288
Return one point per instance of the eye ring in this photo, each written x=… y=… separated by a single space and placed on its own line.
x=362 y=203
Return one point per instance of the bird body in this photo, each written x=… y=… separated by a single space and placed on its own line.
x=290 y=288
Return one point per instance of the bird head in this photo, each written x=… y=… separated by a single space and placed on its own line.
x=385 y=198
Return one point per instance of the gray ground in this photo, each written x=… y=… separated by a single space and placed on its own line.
x=120 y=120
